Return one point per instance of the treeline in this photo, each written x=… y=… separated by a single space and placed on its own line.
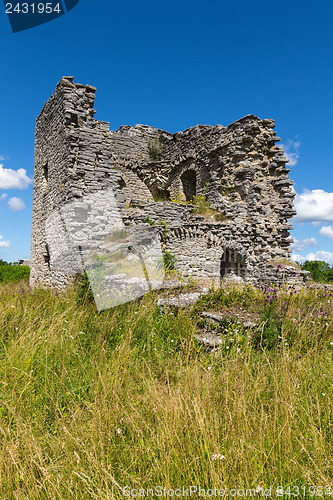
x=319 y=270
x=12 y=271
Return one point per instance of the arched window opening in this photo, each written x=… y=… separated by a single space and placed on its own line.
x=121 y=183
x=232 y=264
x=189 y=183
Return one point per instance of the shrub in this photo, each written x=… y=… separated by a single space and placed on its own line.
x=13 y=272
x=169 y=261
x=155 y=149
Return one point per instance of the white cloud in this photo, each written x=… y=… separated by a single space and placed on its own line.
x=16 y=204
x=14 y=179
x=3 y=196
x=4 y=244
x=315 y=205
x=2 y=158
x=321 y=255
x=299 y=245
x=297 y=258
x=291 y=151
x=327 y=232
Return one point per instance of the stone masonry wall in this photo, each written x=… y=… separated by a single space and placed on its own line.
x=238 y=169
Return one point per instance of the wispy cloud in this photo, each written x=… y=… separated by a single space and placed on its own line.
x=16 y=204
x=14 y=179
x=4 y=244
x=314 y=206
x=299 y=245
x=291 y=151
x=327 y=232
x=3 y=196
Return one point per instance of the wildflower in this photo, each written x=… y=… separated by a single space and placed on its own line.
x=13 y=307
x=323 y=394
x=118 y=431
x=331 y=343
x=300 y=357
x=172 y=340
x=208 y=367
x=280 y=266
x=227 y=347
x=218 y=456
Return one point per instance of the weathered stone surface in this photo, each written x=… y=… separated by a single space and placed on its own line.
x=238 y=169
x=245 y=319
x=181 y=300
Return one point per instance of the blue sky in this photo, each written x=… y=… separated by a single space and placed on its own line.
x=173 y=65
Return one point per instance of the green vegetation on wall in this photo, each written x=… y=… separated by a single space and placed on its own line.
x=155 y=149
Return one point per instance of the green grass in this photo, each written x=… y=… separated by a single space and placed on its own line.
x=93 y=402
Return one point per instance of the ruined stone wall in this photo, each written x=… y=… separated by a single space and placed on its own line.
x=238 y=169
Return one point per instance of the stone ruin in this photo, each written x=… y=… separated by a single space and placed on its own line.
x=218 y=198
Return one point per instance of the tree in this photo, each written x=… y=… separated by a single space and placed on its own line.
x=319 y=270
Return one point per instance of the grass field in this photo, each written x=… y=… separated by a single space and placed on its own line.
x=91 y=403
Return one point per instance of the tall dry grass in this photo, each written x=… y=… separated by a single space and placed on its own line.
x=93 y=402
